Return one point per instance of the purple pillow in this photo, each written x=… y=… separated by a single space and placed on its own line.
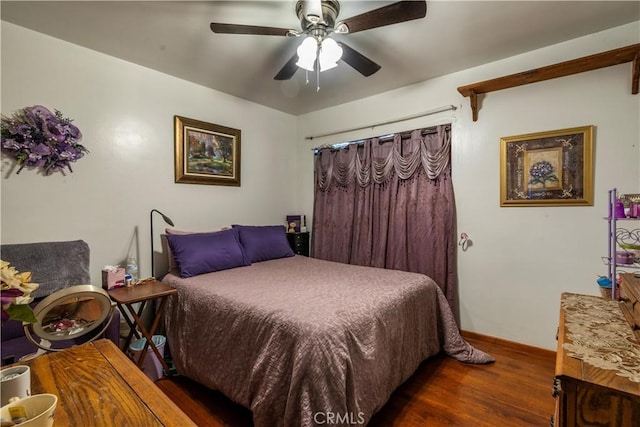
x=262 y=243
x=173 y=265
x=207 y=252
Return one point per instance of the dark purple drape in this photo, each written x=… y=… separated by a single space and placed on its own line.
x=389 y=205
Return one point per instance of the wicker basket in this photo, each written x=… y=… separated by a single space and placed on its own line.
x=605 y=291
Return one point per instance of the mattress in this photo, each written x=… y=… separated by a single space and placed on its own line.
x=298 y=340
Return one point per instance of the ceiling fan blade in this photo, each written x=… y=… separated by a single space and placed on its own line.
x=288 y=70
x=358 y=61
x=392 y=14
x=249 y=29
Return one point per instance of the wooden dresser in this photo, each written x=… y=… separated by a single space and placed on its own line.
x=592 y=390
x=630 y=301
x=98 y=386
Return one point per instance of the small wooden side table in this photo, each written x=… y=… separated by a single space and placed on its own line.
x=143 y=293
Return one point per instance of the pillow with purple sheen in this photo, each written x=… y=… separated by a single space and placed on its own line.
x=265 y=242
x=201 y=253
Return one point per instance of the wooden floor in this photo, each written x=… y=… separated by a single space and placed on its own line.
x=513 y=391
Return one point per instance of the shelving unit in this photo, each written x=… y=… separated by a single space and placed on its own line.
x=630 y=235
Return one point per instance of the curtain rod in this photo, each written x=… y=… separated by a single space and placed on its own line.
x=427 y=131
x=401 y=119
x=381 y=139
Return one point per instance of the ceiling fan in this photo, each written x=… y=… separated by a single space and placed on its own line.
x=318 y=22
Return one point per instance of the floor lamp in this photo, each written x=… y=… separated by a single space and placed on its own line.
x=168 y=221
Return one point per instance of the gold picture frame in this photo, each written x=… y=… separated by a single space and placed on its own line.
x=553 y=168
x=206 y=153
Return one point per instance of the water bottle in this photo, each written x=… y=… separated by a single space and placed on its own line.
x=132 y=269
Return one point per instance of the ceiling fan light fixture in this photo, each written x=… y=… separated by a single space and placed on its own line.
x=330 y=54
x=306 y=63
x=319 y=20
x=326 y=65
x=307 y=53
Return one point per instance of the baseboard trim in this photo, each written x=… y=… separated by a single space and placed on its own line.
x=542 y=352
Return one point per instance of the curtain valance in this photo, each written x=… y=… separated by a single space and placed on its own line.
x=375 y=161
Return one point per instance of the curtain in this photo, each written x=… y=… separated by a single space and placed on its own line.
x=389 y=205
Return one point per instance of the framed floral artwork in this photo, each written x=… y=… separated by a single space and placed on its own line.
x=206 y=153
x=553 y=168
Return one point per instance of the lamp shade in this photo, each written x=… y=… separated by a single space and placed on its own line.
x=330 y=54
x=307 y=52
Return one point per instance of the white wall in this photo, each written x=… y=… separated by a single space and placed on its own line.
x=126 y=115
x=510 y=280
x=522 y=258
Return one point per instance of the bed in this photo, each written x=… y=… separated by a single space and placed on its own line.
x=299 y=340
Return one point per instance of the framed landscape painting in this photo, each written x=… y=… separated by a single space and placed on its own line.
x=552 y=168
x=206 y=153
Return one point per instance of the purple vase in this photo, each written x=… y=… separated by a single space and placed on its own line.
x=620 y=209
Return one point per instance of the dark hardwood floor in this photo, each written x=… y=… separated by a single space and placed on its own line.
x=513 y=391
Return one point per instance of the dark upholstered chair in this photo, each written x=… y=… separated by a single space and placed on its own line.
x=55 y=266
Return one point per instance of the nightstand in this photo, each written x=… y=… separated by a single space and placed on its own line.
x=142 y=293
x=299 y=242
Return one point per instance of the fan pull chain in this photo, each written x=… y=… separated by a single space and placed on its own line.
x=306 y=77
x=317 y=68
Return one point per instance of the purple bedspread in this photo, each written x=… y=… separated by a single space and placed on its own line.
x=298 y=340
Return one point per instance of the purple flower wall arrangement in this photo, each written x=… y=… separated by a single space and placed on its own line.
x=37 y=138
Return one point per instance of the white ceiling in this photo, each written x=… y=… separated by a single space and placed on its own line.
x=174 y=37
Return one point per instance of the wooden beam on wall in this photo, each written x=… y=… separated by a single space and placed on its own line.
x=636 y=74
x=567 y=68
